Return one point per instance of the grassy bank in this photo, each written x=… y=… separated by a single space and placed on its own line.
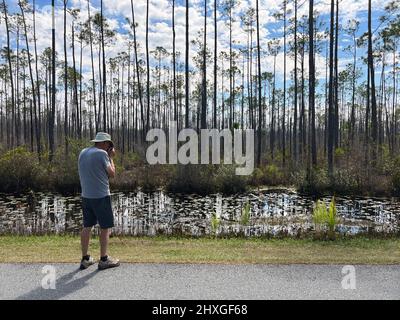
x=65 y=249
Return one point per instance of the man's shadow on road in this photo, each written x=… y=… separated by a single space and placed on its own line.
x=64 y=287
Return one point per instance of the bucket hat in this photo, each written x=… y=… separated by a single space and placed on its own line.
x=102 y=137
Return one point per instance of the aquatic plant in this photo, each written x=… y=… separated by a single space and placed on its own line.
x=245 y=217
x=332 y=216
x=215 y=222
x=324 y=217
x=319 y=214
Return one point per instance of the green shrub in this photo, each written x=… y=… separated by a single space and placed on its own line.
x=193 y=178
x=228 y=182
x=396 y=183
x=324 y=217
x=270 y=175
x=345 y=181
x=63 y=171
x=257 y=178
x=151 y=178
x=319 y=214
x=19 y=170
x=315 y=182
x=206 y=179
x=273 y=175
x=129 y=161
x=339 y=153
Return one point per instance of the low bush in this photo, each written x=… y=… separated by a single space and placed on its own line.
x=228 y=182
x=19 y=170
x=313 y=182
x=193 y=179
x=206 y=179
x=396 y=183
x=270 y=175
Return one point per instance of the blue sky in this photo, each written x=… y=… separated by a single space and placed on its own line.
x=160 y=25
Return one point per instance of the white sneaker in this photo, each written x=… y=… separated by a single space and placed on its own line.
x=109 y=263
x=87 y=263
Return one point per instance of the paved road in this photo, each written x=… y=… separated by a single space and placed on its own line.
x=171 y=281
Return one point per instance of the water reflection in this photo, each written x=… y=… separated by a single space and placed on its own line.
x=272 y=213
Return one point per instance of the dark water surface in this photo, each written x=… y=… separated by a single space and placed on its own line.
x=273 y=212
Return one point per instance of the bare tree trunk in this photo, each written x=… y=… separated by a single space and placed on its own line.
x=272 y=133
x=331 y=106
x=374 y=118
x=104 y=69
x=9 y=56
x=311 y=95
x=30 y=73
x=295 y=144
x=92 y=62
x=187 y=68
x=53 y=88
x=336 y=82
x=353 y=99
x=215 y=62
x=66 y=130
x=174 y=60
x=204 y=85
x=148 y=68
x=79 y=133
x=259 y=88
x=231 y=94
x=138 y=70
x=284 y=86
x=36 y=62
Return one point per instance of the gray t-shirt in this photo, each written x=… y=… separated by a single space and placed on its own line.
x=93 y=163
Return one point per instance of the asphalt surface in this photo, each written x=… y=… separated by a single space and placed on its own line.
x=200 y=282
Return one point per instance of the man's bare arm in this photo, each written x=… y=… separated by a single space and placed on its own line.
x=111 y=167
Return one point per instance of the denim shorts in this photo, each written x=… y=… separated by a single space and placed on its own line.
x=97 y=211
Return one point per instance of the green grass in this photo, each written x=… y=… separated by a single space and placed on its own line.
x=66 y=249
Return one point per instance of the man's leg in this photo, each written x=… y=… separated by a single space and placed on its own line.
x=104 y=236
x=85 y=238
x=106 y=221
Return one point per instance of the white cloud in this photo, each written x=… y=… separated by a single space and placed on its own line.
x=160 y=31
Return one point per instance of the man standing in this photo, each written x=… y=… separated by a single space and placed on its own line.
x=96 y=166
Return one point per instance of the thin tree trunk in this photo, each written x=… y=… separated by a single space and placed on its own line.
x=284 y=86
x=259 y=88
x=174 y=60
x=311 y=95
x=187 y=68
x=66 y=129
x=30 y=74
x=9 y=57
x=75 y=84
x=138 y=70
x=331 y=106
x=104 y=69
x=374 y=120
x=215 y=62
x=295 y=144
x=336 y=82
x=353 y=98
x=92 y=62
x=204 y=85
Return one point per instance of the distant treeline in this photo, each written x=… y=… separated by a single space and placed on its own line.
x=349 y=121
